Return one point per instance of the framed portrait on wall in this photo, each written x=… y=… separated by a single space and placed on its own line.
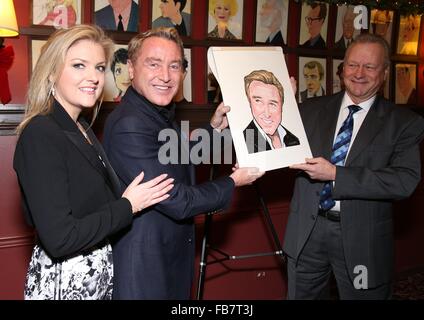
x=313 y=25
x=408 y=36
x=56 y=13
x=264 y=121
x=184 y=92
x=271 y=21
x=405 y=83
x=214 y=94
x=35 y=51
x=345 y=28
x=225 y=19
x=386 y=87
x=382 y=24
x=172 y=14
x=117 y=76
x=312 y=77
x=120 y=16
x=337 y=83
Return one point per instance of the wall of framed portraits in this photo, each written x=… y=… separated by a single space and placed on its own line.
x=313 y=39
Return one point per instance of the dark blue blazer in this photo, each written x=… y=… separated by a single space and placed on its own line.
x=104 y=18
x=154 y=259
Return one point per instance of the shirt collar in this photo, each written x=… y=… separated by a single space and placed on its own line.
x=166 y=112
x=365 y=105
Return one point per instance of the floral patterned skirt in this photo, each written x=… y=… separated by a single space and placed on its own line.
x=86 y=276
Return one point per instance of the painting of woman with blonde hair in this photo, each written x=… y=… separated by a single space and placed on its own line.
x=222 y=12
x=57 y=13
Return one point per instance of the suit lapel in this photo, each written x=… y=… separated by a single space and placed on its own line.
x=110 y=175
x=327 y=122
x=72 y=132
x=369 y=128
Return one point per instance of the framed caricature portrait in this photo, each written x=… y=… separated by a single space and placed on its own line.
x=116 y=15
x=265 y=123
x=313 y=25
x=56 y=13
x=225 y=19
x=117 y=77
x=345 y=29
x=184 y=92
x=386 y=87
x=409 y=31
x=405 y=83
x=35 y=51
x=337 y=83
x=172 y=14
x=312 y=77
x=214 y=94
x=382 y=24
x=271 y=21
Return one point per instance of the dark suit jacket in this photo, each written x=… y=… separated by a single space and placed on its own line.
x=155 y=258
x=259 y=141
x=166 y=22
x=383 y=165
x=277 y=40
x=68 y=195
x=304 y=94
x=340 y=44
x=320 y=44
x=105 y=18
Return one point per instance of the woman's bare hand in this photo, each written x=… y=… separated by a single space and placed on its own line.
x=143 y=195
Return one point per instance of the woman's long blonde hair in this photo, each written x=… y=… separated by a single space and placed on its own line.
x=50 y=65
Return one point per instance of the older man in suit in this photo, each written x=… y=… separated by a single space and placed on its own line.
x=154 y=259
x=366 y=155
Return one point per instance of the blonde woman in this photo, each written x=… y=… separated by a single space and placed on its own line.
x=70 y=193
x=222 y=11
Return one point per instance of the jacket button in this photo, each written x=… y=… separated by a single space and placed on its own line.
x=190 y=240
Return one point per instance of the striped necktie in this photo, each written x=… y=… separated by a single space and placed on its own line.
x=338 y=156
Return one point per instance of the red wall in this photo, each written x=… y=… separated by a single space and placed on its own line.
x=241 y=230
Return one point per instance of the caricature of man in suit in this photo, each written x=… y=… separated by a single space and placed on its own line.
x=270 y=17
x=314 y=21
x=120 y=15
x=313 y=73
x=348 y=29
x=266 y=96
x=174 y=17
x=366 y=155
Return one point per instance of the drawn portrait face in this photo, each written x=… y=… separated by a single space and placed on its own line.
x=119 y=4
x=270 y=15
x=266 y=105
x=169 y=8
x=405 y=84
x=312 y=80
x=314 y=22
x=348 y=27
x=222 y=12
x=122 y=78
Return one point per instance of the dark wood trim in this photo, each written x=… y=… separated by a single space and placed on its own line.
x=17 y=241
x=10 y=116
